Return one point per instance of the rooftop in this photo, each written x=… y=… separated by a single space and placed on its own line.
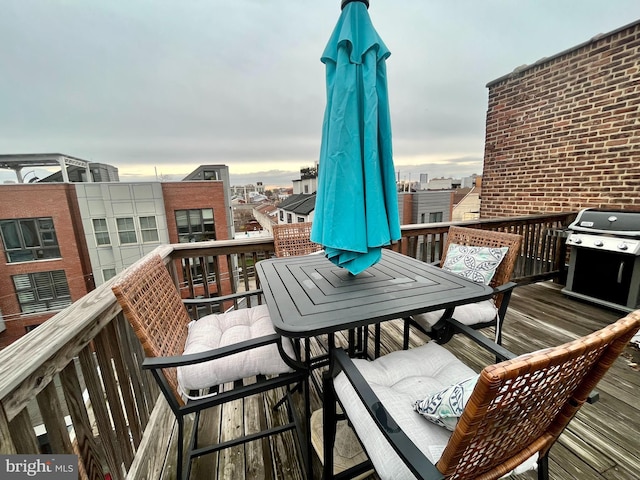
x=93 y=338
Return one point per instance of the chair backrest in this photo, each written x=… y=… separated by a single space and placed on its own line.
x=521 y=406
x=487 y=238
x=152 y=304
x=293 y=239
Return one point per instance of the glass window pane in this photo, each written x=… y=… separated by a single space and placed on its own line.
x=45 y=223
x=150 y=236
x=15 y=256
x=194 y=220
x=181 y=218
x=124 y=224
x=108 y=273
x=10 y=235
x=147 y=222
x=128 y=237
x=29 y=233
x=100 y=224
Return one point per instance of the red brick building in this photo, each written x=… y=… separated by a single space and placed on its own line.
x=59 y=240
x=564 y=133
x=45 y=266
x=187 y=201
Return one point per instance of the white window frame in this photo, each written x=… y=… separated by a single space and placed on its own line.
x=147 y=229
x=96 y=232
x=105 y=276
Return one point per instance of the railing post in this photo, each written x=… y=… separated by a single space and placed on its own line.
x=6 y=443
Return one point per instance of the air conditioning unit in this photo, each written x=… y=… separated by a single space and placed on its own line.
x=2 y=327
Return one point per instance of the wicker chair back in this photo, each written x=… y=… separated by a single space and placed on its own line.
x=150 y=301
x=293 y=239
x=487 y=238
x=521 y=406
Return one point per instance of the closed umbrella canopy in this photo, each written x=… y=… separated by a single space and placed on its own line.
x=356 y=210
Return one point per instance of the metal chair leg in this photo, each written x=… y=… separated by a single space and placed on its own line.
x=329 y=421
x=543 y=467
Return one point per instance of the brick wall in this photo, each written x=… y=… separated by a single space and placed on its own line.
x=198 y=195
x=564 y=134
x=42 y=200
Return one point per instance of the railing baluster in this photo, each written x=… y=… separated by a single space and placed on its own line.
x=53 y=419
x=24 y=438
x=99 y=407
x=123 y=383
x=90 y=454
x=7 y=446
x=112 y=390
x=133 y=369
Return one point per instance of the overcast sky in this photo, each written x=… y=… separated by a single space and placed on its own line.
x=162 y=86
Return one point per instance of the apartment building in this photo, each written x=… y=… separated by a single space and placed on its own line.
x=61 y=240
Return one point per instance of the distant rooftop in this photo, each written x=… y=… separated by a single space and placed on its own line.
x=17 y=162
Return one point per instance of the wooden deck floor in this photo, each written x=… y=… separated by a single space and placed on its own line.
x=601 y=442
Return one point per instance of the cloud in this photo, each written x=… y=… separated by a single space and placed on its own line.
x=147 y=85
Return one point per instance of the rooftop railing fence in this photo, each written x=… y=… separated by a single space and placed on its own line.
x=78 y=375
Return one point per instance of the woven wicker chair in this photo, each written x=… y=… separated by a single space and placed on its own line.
x=515 y=412
x=192 y=360
x=478 y=315
x=293 y=239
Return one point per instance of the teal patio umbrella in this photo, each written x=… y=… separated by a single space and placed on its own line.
x=356 y=210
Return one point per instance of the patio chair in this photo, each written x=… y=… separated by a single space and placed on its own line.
x=292 y=239
x=515 y=410
x=196 y=363
x=477 y=315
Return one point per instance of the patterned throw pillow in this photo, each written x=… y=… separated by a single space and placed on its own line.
x=475 y=263
x=445 y=407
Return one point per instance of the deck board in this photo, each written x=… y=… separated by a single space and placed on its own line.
x=601 y=443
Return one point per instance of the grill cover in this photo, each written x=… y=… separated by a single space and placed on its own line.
x=610 y=222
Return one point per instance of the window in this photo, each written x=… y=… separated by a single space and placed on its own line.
x=108 y=273
x=29 y=239
x=42 y=291
x=101 y=231
x=435 y=217
x=300 y=219
x=422 y=218
x=149 y=229
x=195 y=225
x=210 y=175
x=282 y=215
x=126 y=230
x=289 y=218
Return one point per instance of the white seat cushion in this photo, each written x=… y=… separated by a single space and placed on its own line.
x=470 y=314
x=219 y=330
x=398 y=379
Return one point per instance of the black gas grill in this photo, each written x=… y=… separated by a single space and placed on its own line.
x=604 y=265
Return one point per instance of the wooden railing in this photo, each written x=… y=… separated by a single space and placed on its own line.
x=543 y=253
x=84 y=363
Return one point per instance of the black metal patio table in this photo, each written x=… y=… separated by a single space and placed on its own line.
x=309 y=296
